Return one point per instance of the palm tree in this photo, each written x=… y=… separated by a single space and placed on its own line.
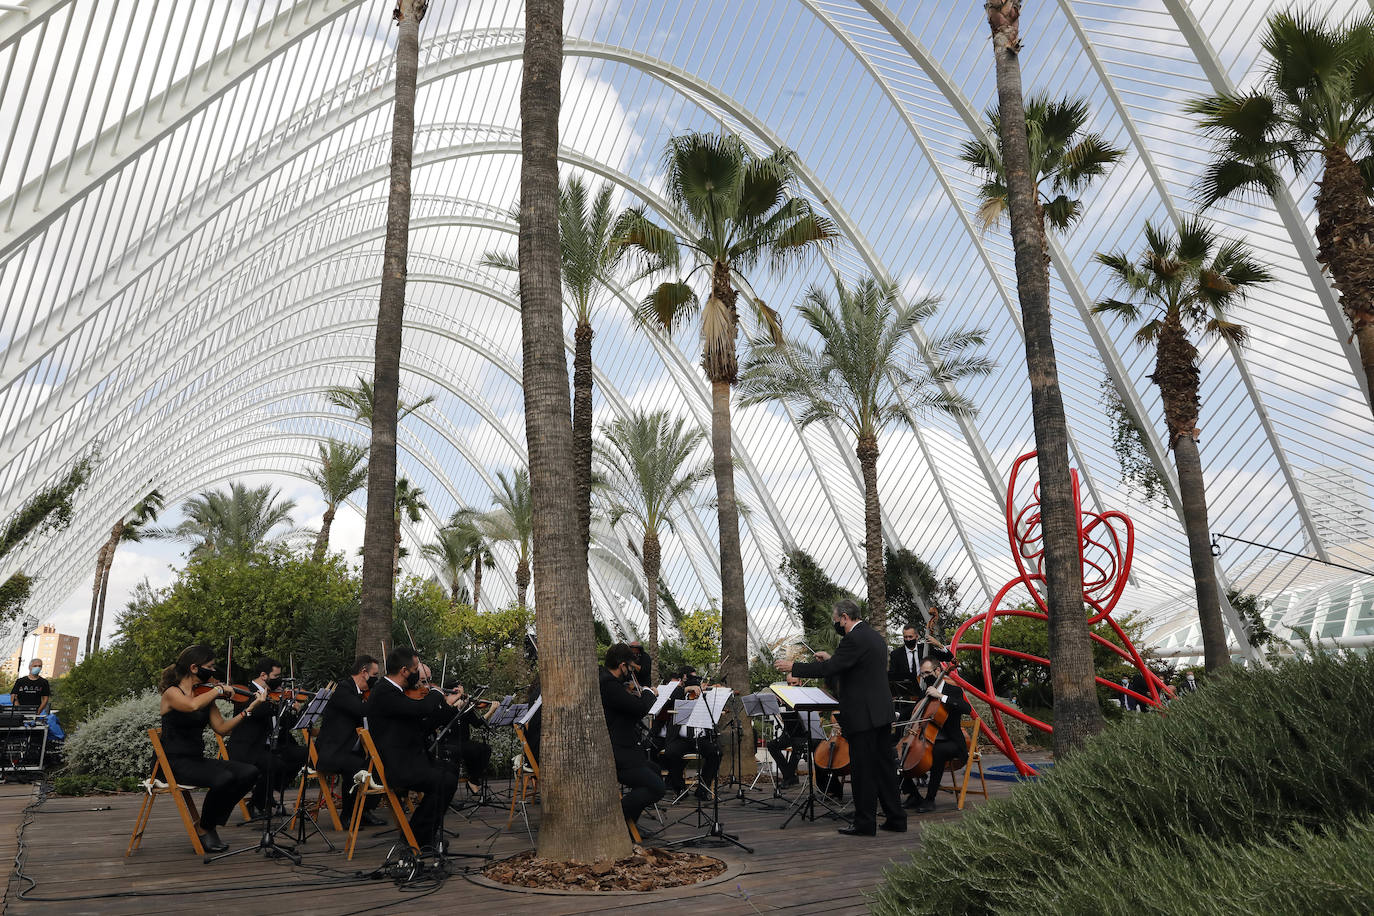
x=1076 y=713
x=647 y=475
x=1315 y=103
x=340 y=474
x=867 y=375
x=477 y=554
x=736 y=211
x=237 y=522
x=450 y=552
x=588 y=257
x=359 y=399
x=580 y=820
x=409 y=504
x=511 y=522
x=380 y=526
x=130 y=528
x=1181 y=285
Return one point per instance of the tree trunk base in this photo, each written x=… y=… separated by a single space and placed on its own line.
x=646 y=870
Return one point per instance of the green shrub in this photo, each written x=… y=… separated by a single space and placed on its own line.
x=1259 y=769
x=114 y=743
x=85 y=784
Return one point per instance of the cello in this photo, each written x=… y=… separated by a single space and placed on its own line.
x=832 y=754
x=914 y=750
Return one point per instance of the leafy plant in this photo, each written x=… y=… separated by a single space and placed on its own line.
x=1138 y=472
x=114 y=744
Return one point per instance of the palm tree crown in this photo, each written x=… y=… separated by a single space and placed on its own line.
x=510 y=521
x=1064 y=160
x=239 y=521
x=358 y=400
x=342 y=471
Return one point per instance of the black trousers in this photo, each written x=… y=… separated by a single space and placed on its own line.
x=633 y=769
x=473 y=755
x=275 y=770
x=873 y=773
x=344 y=766
x=679 y=747
x=941 y=753
x=438 y=785
x=227 y=780
x=787 y=763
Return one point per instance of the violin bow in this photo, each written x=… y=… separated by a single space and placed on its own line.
x=406 y=624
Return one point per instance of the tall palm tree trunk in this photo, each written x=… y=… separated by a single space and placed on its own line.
x=396 y=553
x=651 y=558
x=581 y=817
x=477 y=583
x=582 y=427
x=104 y=590
x=1076 y=713
x=455 y=591
x=522 y=582
x=1176 y=374
x=322 y=539
x=1345 y=246
x=95 y=593
x=378 y=577
x=867 y=453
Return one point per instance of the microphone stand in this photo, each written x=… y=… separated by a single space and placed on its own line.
x=715 y=830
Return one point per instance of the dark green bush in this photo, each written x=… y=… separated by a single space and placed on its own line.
x=1253 y=795
x=86 y=784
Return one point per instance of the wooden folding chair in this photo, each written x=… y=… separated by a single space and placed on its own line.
x=311 y=770
x=224 y=755
x=975 y=756
x=375 y=784
x=162 y=782
x=526 y=777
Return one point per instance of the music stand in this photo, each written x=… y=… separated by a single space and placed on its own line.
x=808 y=700
x=309 y=718
x=756 y=706
x=703 y=714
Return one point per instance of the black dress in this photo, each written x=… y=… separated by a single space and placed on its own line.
x=228 y=781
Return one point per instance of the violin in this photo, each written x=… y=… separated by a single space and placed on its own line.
x=915 y=752
x=235 y=689
x=294 y=696
x=419 y=693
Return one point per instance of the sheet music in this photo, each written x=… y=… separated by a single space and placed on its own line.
x=703 y=713
x=812 y=721
x=760 y=704
x=665 y=693
x=802 y=696
x=529 y=713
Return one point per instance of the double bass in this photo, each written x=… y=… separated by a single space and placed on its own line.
x=914 y=750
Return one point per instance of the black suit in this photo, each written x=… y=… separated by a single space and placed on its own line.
x=677 y=746
x=400 y=726
x=623 y=712
x=337 y=745
x=250 y=742
x=460 y=747
x=900 y=670
x=793 y=735
x=950 y=743
x=859 y=667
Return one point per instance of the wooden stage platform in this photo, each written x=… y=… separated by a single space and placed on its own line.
x=73 y=862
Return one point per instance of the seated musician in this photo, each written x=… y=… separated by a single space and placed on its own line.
x=184 y=717
x=642 y=662
x=337 y=745
x=786 y=748
x=681 y=740
x=253 y=742
x=624 y=707
x=400 y=726
x=950 y=744
x=458 y=747
x=32 y=693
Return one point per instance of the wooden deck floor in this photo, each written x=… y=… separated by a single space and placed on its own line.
x=74 y=851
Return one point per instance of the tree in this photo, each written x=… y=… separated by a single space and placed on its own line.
x=648 y=474
x=1186 y=284
x=236 y=522
x=379 y=530
x=581 y=815
x=49 y=510
x=359 y=399
x=1076 y=713
x=588 y=257
x=409 y=505
x=450 y=552
x=867 y=375
x=736 y=211
x=132 y=528
x=510 y=522
x=340 y=474
x=1314 y=104
x=912 y=585
x=476 y=553
x=812 y=594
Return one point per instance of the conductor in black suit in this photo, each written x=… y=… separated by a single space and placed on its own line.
x=337 y=745
x=859 y=667
x=400 y=726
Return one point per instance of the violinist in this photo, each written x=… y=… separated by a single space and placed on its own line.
x=643 y=663
x=338 y=746
x=457 y=745
x=950 y=744
x=265 y=740
x=682 y=740
x=400 y=725
x=625 y=704
x=185 y=713
x=859 y=667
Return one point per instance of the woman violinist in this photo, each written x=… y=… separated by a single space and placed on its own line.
x=189 y=691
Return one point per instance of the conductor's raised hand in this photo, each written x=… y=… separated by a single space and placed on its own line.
x=822 y=656
x=784 y=665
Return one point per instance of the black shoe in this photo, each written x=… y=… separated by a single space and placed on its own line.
x=893 y=826
x=371 y=820
x=925 y=807
x=211 y=841
x=853 y=831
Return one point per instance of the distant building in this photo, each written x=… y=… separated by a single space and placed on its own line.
x=57 y=650
x=1339 y=503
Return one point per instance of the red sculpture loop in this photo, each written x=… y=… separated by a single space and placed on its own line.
x=1106 y=542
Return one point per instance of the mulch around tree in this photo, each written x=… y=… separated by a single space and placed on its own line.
x=647 y=870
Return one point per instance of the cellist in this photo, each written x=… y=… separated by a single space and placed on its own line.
x=950 y=743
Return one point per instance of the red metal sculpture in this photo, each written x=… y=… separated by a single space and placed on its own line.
x=1106 y=542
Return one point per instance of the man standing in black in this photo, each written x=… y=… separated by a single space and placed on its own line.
x=950 y=743
x=337 y=745
x=399 y=726
x=859 y=667
x=904 y=663
x=32 y=693
x=624 y=709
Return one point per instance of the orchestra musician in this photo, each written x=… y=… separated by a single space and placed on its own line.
x=643 y=663
x=682 y=740
x=793 y=736
x=860 y=671
x=457 y=742
x=904 y=663
x=337 y=744
x=624 y=705
x=184 y=717
x=399 y=726
x=253 y=741
x=950 y=744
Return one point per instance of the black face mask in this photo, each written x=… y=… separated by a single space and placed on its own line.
x=205 y=674
x=273 y=683
x=692 y=681
x=413 y=680
x=910 y=643
x=839 y=628
x=929 y=680
x=372 y=682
